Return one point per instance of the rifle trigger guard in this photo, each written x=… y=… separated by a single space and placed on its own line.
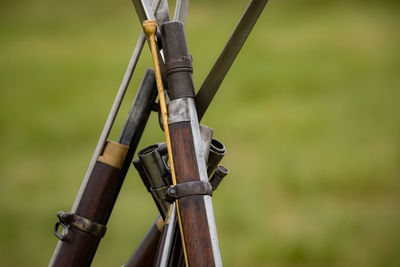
x=188 y=189
x=67 y=220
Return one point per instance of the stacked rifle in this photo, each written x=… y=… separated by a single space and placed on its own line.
x=180 y=174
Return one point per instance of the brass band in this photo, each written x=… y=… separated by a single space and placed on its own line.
x=114 y=154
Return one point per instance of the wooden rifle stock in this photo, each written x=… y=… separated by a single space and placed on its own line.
x=78 y=243
x=199 y=235
x=154 y=173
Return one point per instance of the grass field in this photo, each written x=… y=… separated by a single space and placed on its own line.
x=309 y=114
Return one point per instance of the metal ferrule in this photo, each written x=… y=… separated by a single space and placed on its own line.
x=181 y=110
x=178 y=110
x=217 y=152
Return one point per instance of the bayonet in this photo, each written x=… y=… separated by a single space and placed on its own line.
x=181 y=9
x=228 y=55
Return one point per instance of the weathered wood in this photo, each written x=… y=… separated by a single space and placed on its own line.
x=105 y=181
x=192 y=208
x=198 y=229
x=96 y=205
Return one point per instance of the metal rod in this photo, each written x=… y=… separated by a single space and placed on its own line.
x=113 y=113
x=167 y=240
x=145 y=12
x=110 y=177
x=228 y=55
x=162 y=14
x=181 y=9
x=150 y=27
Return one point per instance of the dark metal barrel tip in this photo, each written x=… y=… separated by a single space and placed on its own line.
x=217 y=146
x=218 y=176
x=148 y=150
x=217 y=152
x=221 y=171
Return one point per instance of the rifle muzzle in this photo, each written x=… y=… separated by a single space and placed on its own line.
x=217 y=152
x=157 y=172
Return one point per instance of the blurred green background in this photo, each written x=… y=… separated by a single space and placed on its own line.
x=309 y=114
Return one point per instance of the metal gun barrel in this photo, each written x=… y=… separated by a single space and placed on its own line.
x=100 y=193
x=217 y=152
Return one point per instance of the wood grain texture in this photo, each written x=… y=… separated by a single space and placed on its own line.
x=77 y=250
x=191 y=208
x=100 y=194
x=96 y=204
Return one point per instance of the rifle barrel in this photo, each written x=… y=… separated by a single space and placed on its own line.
x=100 y=193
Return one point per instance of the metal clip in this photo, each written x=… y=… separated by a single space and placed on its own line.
x=64 y=233
x=67 y=220
x=188 y=189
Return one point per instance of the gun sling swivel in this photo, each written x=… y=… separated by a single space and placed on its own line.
x=67 y=220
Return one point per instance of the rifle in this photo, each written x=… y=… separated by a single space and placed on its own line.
x=180 y=174
x=84 y=228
